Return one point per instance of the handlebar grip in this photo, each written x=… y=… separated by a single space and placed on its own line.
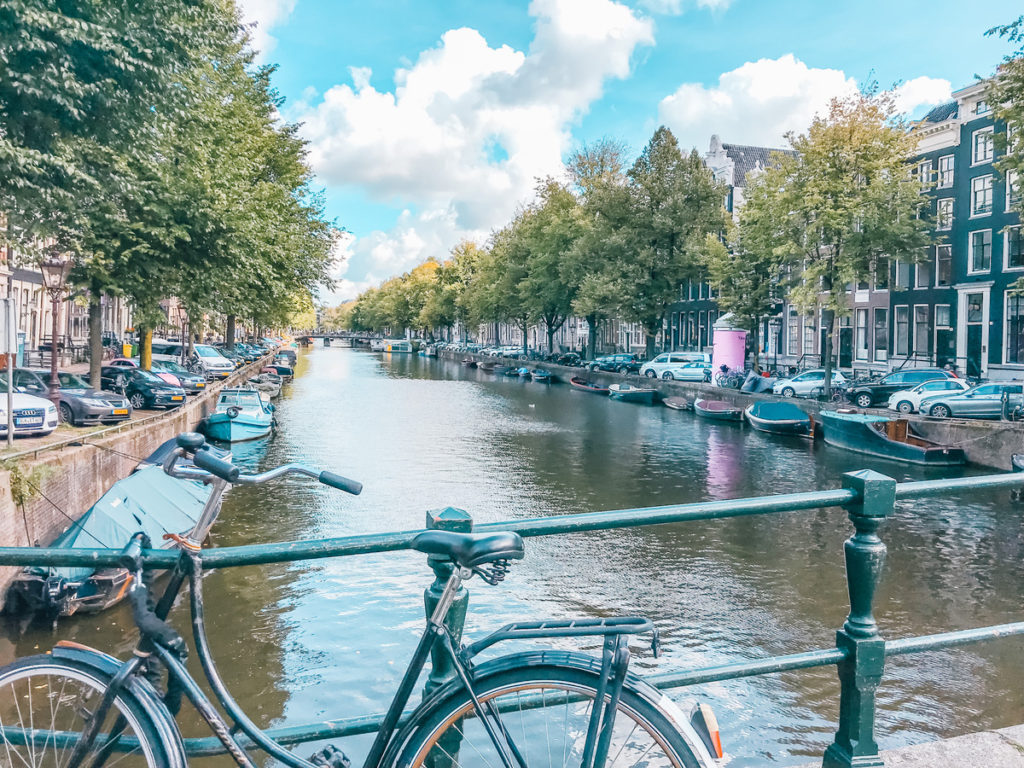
x=341 y=483
x=225 y=470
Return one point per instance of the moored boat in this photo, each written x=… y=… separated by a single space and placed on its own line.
x=631 y=394
x=718 y=410
x=469 y=362
x=678 y=403
x=398 y=345
x=523 y=373
x=887 y=437
x=779 y=418
x=511 y=371
x=241 y=414
x=588 y=386
x=540 y=375
x=486 y=365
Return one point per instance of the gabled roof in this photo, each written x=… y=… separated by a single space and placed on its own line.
x=747 y=159
x=941 y=113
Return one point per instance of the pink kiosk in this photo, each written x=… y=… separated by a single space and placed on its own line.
x=730 y=345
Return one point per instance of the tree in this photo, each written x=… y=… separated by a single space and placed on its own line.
x=1006 y=94
x=842 y=206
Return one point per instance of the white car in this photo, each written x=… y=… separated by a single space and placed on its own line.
x=205 y=358
x=666 y=360
x=695 y=371
x=909 y=400
x=32 y=415
x=807 y=383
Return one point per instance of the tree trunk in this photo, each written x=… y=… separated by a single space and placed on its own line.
x=497 y=334
x=229 y=333
x=526 y=340
x=755 y=359
x=551 y=340
x=591 y=351
x=146 y=349
x=650 y=341
x=95 y=339
x=829 y=319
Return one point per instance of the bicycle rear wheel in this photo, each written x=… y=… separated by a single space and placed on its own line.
x=545 y=710
x=44 y=704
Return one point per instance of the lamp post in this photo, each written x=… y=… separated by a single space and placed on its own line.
x=774 y=326
x=182 y=320
x=55 y=270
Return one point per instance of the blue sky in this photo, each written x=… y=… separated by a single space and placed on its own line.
x=429 y=121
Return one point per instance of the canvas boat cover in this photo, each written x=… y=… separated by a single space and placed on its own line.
x=148 y=500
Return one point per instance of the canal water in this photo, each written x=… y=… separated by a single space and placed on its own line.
x=325 y=639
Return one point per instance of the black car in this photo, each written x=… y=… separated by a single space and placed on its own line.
x=142 y=388
x=79 y=404
x=622 y=363
x=876 y=392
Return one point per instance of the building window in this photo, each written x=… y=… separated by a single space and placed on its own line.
x=881 y=270
x=902 y=330
x=981 y=146
x=981 y=107
x=862 y=334
x=922 y=330
x=924 y=274
x=942 y=319
x=881 y=334
x=944 y=216
x=981 y=251
x=924 y=172
x=1012 y=190
x=902 y=275
x=793 y=334
x=946 y=167
x=981 y=196
x=702 y=329
x=809 y=335
x=943 y=264
x=1014 y=328
x=1014 y=238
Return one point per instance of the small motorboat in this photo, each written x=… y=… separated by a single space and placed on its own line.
x=718 y=410
x=523 y=373
x=268 y=383
x=242 y=414
x=631 y=394
x=540 y=375
x=148 y=500
x=588 y=386
x=678 y=403
x=887 y=437
x=469 y=362
x=511 y=371
x=779 y=418
x=487 y=366
x=287 y=357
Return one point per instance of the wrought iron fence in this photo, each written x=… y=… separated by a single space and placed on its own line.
x=859 y=654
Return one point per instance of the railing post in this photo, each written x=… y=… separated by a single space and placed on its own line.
x=861 y=671
x=460 y=521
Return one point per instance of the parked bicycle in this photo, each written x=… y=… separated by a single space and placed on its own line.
x=728 y=378
x=76 y=707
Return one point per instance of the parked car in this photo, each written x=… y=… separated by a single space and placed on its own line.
x=873 y=392
x=79 y=404
x=666 y=360
x=204 y=359
x=192 y=383
x=982 y=402
x=32 y=416
x=692 y=371
x=806 y=383
x=142 y=388
x=133 y=362
x=623 y=363
x=909 y=400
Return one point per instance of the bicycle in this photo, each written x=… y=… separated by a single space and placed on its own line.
x=79 y=707
x=727 y=378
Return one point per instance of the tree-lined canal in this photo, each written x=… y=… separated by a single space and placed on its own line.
x=327 y=639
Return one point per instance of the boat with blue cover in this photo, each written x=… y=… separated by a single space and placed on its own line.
x=242 y=414
x=148 y=500
x=887 y=437
x=540 y=375
x=779 y=418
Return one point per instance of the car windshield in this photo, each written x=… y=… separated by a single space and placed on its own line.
x=204 y=351
x=169 y=367
x=72 y=381
x=149 y=376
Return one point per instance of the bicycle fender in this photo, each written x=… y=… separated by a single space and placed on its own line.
x=543 y=658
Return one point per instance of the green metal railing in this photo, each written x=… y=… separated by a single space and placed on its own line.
x=859 y=654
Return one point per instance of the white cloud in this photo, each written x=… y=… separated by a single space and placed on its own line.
x=676 y=7
x=265 y=14
x=468 y=127
x=758 y=102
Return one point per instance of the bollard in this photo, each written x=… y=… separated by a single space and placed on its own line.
x=861 y=671
x=460 y=521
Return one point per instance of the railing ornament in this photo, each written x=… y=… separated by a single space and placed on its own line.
x=458 y=521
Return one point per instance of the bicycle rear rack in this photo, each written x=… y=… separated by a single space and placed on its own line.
x=524 y=630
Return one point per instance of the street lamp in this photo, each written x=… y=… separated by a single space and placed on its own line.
x=774 y=326
x=182 y=320
x=55 y=270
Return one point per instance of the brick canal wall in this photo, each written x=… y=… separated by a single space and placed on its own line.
x=41 y=495
x=986 y=443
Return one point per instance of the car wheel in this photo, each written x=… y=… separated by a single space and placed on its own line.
x=66 y=414
x=591 y=367
x=939 y=411
x=905 y=406
x=623 y=369
x=650 y=374
x=788 y=392
x=667 y=376
x=863 y=400
x=137 y=401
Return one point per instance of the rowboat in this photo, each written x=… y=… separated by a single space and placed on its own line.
x=241 y=414
x=678 y=403
x=523 y=373
x=588 y=386
x=469 y=362
x=887 y=437
x=778 y=418
x=511 y=371
x=487 y=366
x=631 y=394
x=718 y=410
x=540 y=375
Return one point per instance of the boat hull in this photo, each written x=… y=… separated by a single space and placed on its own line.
x=587 y=386
x=220 y=426
x=632 y=395
x=857 y=433
x=761 y=418
x=677 y=403
x=717 y=410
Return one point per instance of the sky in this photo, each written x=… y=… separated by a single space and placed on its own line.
x=429 y=121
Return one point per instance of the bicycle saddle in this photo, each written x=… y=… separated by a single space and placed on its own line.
x=469 y=550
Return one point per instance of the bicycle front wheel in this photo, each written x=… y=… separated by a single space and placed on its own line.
x=45 y=704
x=545 y=712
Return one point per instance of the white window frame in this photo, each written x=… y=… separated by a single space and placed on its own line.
x=859 y=330
x=1006 y=336
x=949 y=248
x=1006 y=250
x=1011 y=182
x=970 y=253
x=991 y=187
x=896 y=330
x=917 y=273
x=981 y=107
x=924 y=172
x=939 y=180
x=974 y=146
x=928 y=320
x=939 y=216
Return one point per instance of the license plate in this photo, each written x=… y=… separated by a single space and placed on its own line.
x=177 y=397
x=200 y=384
x=120 y=412
x=28 y=422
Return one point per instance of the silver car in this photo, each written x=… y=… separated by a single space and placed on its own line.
x=983 y=402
